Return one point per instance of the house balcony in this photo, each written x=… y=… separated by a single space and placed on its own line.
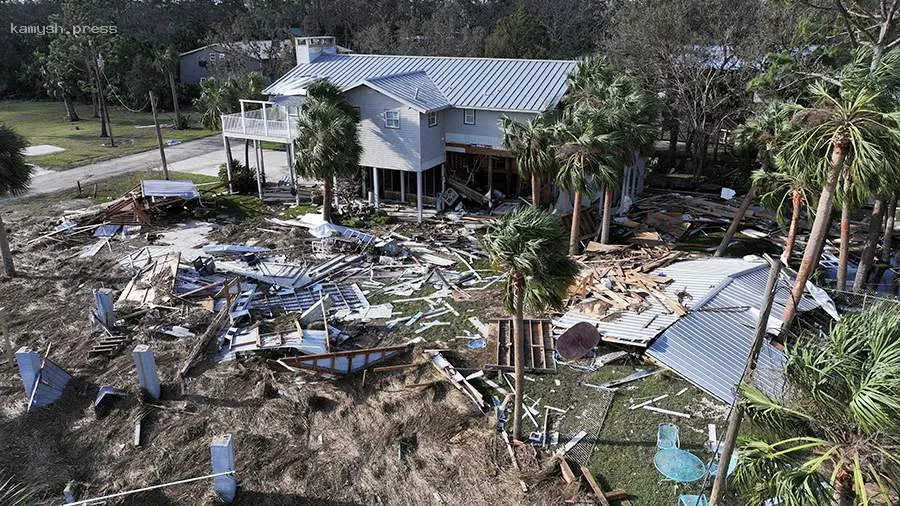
x=259 y=120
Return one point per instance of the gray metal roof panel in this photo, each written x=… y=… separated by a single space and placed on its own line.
x=415 y=89
x=710 y=348
x=481 y=83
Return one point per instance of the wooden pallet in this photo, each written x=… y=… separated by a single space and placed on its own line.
x=108 y=345
x=539 y=350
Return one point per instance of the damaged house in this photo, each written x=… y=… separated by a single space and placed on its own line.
x=430 y=125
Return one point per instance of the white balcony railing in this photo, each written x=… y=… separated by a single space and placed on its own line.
x=268 y=122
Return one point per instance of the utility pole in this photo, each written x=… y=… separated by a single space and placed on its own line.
x=162 y=151
x=737 y=412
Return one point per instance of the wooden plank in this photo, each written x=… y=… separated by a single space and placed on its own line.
x=594 y=486
x=529 y=343
x=567 y=473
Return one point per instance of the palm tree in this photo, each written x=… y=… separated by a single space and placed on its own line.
x=212 y=103
x=846 y=130
x=532 y=143
x=777 y=188
x=833 y=439
x=15 y=176
x=761 y=136
x=584 y=158
x=528 y=245
x=613 y=102
x=327 y=142
x=166 y=62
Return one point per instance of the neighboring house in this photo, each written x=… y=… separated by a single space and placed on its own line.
x=426 y=121
x=227 y=58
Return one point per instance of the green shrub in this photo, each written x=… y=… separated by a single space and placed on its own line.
x=243 y=178
x=381 y=217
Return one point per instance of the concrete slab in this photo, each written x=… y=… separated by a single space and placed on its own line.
x=42 y=149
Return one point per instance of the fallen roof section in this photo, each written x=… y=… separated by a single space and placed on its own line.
x=691 y=281
x=710 y=345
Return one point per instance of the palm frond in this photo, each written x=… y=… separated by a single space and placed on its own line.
x=530 y=244
x=15 y=173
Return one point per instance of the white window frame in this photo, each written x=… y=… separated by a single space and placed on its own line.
x=432 y=119
x=212 y=57
x=466 y=120
x=389 y=115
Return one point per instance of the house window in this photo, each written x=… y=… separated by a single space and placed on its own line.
x=469 y=116
x=212 y=56
x=432 y=119
x=358 y=112
x=392 y=119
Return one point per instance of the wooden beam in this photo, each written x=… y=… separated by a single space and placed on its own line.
x=481 y=150
x=601 y=496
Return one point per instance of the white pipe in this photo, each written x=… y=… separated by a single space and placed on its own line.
x=145 y=489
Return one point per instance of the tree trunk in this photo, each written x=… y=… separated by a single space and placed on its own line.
x=796 y=204
x=71 y=113
x=326 y=199
x=816 y=241
x=535 y=191
x=843 y=489
x=604 y=226
x=673 y=144
x=95 y=104
x=519 y=344
x=700 y=155
x=175 y=100
x=888 y=237
x=8 y=267
x=736 y=221
x=844 y=255
x=868 y=254
x=575 y=230
x=102 y=106
x=247 y=153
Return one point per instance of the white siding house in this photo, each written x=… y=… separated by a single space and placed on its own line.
x=419 y=114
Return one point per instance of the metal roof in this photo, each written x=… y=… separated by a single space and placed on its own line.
x=414 y=89
x=710 y=345
x=477 y=83
x=694 y=277
x=163 y=188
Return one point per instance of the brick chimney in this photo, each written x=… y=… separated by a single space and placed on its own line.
x=310 y=48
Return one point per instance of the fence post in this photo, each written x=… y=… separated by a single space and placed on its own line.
x=145 y=365
x=222 y=455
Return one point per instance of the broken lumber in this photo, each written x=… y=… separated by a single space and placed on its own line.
x=666 y=411
x=601 y=496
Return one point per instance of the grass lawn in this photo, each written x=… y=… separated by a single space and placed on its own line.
x=45 y=123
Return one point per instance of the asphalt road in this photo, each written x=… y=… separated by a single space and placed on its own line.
x=201 y=156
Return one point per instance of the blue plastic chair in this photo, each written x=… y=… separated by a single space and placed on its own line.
x=667 y=436
x=693 y=500
x=732 y=464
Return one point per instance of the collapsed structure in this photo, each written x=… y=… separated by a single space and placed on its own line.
x=335 y=301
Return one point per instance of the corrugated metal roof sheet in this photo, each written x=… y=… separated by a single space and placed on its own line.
x=163 y=188
x=693 y=277
x=709 y=346
x=414 y=89
x=477 y=83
